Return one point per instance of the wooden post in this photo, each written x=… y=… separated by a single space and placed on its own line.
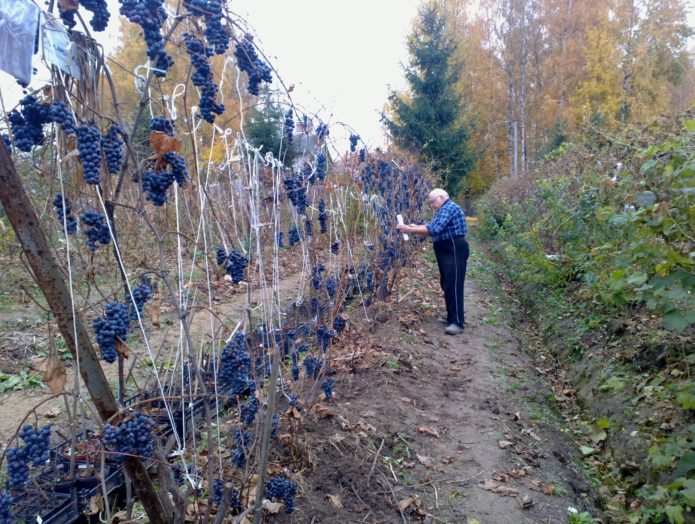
x=50 y=279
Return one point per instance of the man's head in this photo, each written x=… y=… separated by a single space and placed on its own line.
x=437 y=198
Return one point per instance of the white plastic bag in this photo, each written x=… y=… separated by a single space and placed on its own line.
x=18 y=24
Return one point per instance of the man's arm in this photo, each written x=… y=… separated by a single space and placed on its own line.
x=415 y=229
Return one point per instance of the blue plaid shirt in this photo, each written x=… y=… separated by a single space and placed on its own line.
x=449 y=222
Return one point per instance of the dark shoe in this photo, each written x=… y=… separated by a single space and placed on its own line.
x=453 y=329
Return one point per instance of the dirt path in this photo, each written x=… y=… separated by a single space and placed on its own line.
x=454 y=429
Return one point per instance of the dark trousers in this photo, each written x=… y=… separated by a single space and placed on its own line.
x=452 y=258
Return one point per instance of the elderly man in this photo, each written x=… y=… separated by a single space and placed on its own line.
x=448 y=231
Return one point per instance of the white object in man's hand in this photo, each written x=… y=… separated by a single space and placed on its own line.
x=399 y=217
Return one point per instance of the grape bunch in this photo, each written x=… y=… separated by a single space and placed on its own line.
x=327 y=388
x=316 y=272
x=295 y=368
x=303 y=348
x=112 y=144
x=132 y=437
x=65 y=214
x=17 y=467
x=217 y=491
x=215 y=32
x=314 y=306
x=321 y=131
x=324 y=337
x=309 y=227
x=321 y=166
x=37 y=443
x=353 y=142
x=221 y=254
x=323 y=216
x=293 y=236
x=27 y=125
x=339 y=324
x=331 y=285
x=242 y=439
x=178 y=167
x=114 y=324
x=8 y=142
x=156 y=184
x=159 y=123
x=289 y=127
x=64 y=117
x=67 y=16
x=284 y=489
x=296 y=193
x=235 y=365
x=150 y=15
x=335 y=247
x=100 y=13
x=248 y=410
x=310 y=365
x=141 y=294
x=235 y=266
x=6 y=513
x=202 y=77
x=97 y=231
x=256 y=69
x=89 y=145
x=278 y=239
x=363 y=155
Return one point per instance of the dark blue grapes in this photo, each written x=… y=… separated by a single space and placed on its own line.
x=316 y=272
x=322 y=131
x=335 y=247
x=178 y=167
x=278 y=239
x=202 y=78
x=17 y=467
x=256 y=69
x=217 y=491
x=112 y=144
x=64 y=117
x=89 y=145
x=141 y=294
x=284 y=489
x=97 y=231
x=295 y=368
x=321 y=166
x=363 y=155
x=159 y=123
x=242 y=439
x=234 y=264
x=8 y=142
x=67 y=16
x=339 y=324
x=132 y=437
x=249 y=409
x=323 y=216
x=293 y=236
x=221 y=254
x=289 y=128
x=235 y=365
x=150 y=15
x=296 y=192
x=324 y=337
x=6 y=513
x=27 y=125
x=156 y=184
x=100 y=13
x=114 y=324
x=310 y=366
x=327 y=387
x=309 y=227
x=37 y=443
x=215 y=32
x=331 y=284
x=65 y=214
x=353 y=142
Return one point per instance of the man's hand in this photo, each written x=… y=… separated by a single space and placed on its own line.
x=412 y=228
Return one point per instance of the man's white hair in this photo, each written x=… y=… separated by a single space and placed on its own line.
x=437 y=192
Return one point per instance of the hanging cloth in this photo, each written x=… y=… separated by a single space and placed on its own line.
x=18 y=22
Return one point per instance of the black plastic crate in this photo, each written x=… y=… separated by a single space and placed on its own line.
x=89 y=486
x=51 y=507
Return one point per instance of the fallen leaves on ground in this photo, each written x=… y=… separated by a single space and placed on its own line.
x=504 y=491
x=428 y=431
x=504 y=444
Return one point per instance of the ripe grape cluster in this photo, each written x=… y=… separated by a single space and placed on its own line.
x=321 y=166
x=17 y=467
x=89 y=145
x=202 y=77
x=321 y=131
x=284 y=489
x=67 y=16
x=159 y=123
x=293 y=236
x=132 y=437
x=64 y=117
x=217 y=491
x=327 y=387
x=256 y=69
x=150 y=15
x=156 y=184
x=114 y=324
x=331 y=285
x=309 y=227
x=296 y=192
x=65 y=214
x=339 y=324
x=323 y=216
x=363 y=155
x=335 y=247
x=324 y=337
x=97 y=231
x=37 y=443
x=316 y=272
x=278 y=239
x=310 y=366
x=141 y=294
x=353 y=142
x=8 y=142
x=100 y=13
x=289 y=127
x=215 y=32
x=234 y=264
x=112 y=144
x=178 y=167
x=295 y=368
x=6 y=513
x=27 y=125
x=242 y=439
x=235 y=365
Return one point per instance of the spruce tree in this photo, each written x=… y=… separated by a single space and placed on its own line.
x=428 y=118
